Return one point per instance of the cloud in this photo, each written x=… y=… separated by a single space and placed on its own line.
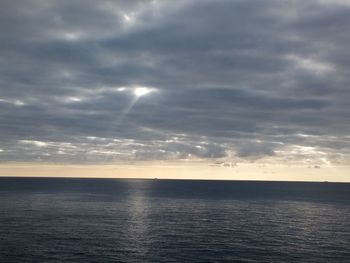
x=233 y=79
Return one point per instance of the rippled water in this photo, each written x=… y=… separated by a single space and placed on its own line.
x=103 y=220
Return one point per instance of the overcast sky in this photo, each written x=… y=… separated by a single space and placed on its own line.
x=100 y=81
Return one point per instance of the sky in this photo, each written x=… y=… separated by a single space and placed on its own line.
x=221 y=82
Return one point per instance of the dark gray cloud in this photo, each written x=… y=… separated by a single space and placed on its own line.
x=228 y=79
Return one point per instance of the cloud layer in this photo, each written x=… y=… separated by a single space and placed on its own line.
x=230 y=80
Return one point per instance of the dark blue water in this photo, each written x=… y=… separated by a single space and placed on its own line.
x=107 y=220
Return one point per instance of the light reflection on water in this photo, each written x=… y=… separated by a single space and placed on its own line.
x=51 y=220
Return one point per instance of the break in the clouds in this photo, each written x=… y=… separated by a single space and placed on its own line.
x=100 y=81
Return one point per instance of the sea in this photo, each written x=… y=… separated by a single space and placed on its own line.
x=119 y=220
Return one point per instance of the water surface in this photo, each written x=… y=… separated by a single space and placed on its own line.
x=109 y=220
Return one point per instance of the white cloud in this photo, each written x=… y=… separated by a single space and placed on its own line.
x=311 y=64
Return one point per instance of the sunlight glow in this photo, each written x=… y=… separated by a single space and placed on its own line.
x=142 y=91
x=35 y=143
x=138 y=92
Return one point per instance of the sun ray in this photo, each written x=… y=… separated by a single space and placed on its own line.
x=138 y=92
x=127 y=110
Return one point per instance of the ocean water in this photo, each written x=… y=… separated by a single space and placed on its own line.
x=108 y=220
